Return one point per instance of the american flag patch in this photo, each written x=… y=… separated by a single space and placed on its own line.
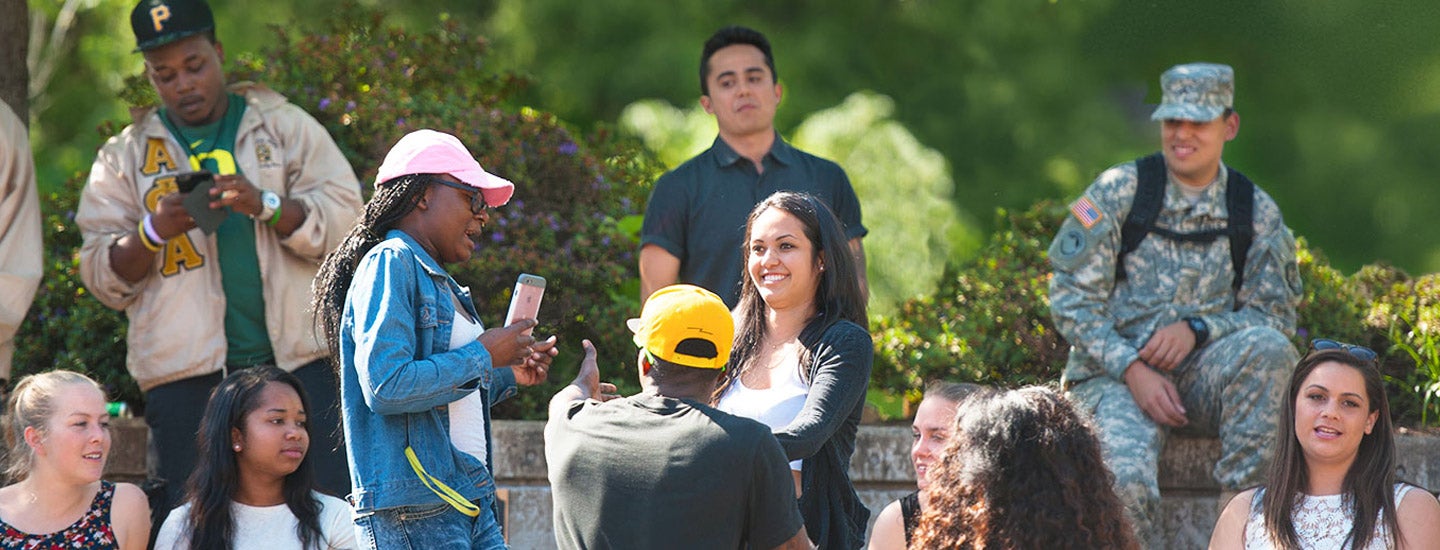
x=1085 y=211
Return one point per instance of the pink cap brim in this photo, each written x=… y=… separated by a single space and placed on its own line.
x=430 y=152
x=497 y=190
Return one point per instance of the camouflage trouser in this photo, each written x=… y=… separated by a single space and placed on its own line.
x=1233 y=387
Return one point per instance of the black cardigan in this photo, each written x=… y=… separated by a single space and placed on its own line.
x=823 y=434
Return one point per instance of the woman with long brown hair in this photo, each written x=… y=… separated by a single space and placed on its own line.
x=1332 y=482
x=1023 y=471
x=802 y=355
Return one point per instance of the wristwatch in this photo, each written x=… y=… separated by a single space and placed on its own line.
x=1201 y=330
x=269 y=204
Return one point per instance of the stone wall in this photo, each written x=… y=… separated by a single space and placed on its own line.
x=880 y=468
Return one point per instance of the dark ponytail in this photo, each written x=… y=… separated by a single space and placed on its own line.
x=392 y=201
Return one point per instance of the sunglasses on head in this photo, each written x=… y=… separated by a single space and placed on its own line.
x=1360 y=352
x=477 y=199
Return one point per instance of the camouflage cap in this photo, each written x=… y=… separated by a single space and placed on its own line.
x=1196 y=91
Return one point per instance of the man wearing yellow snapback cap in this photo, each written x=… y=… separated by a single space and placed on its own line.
x=662 y=469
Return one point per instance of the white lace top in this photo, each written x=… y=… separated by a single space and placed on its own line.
x=1322 y=523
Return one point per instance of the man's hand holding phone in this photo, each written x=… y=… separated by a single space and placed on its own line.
x=170 y=217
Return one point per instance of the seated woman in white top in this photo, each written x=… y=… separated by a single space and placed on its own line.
x=254 y=486
x=1332 y=483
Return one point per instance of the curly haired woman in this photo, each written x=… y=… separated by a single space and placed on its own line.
x=1024 y=471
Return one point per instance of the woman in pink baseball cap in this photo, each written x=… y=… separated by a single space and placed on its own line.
x=409 y=345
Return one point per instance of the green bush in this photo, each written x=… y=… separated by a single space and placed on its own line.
x=989 y=322
x=572 y=219
x=369 y=85
x=1407 y=316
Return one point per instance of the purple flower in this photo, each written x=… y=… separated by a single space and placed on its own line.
x=568 y=148
x=1302 y=333
x=349 y=105
x=324 y=103
x=400 y=121
x=497 y=236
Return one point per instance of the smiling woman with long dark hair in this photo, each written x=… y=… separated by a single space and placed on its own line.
x=1332 y=483
x=802 y=356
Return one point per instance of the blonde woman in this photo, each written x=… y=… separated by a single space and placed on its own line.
x=58 y=432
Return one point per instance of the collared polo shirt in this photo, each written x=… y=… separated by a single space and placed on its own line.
x=697 y=211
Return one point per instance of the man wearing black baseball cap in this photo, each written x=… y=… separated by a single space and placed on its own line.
x=205 y=301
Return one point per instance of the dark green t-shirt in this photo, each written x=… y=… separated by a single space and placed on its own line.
x=656 y=472
x=212 y=147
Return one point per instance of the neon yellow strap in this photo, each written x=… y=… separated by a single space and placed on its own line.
x=440 y=488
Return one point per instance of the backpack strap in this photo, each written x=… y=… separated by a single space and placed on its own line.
x=1240 y=202
x=1150 y=195
x=1144 y=208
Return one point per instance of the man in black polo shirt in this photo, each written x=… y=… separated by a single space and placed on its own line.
x=695 y=220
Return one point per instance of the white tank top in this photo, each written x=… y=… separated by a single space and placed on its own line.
x=776 y=407
x=467 y=416
x=1322 y=523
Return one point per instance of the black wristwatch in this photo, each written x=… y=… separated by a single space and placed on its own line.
x=1201 y=330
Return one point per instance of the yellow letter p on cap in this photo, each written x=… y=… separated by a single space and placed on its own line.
x=158 y=16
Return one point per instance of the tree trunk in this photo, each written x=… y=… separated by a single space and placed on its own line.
x=14 y=43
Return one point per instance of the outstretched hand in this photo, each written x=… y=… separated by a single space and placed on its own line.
x=588 y=379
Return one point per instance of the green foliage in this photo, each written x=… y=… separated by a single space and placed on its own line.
x=989 y=321
x=1028 y=99
x=1331 y=305
x=673 y=134
x=370 y=83
x=905 y=189
x=572 y=220
x=903 y=185
x=1408 y=315
x=65 y=327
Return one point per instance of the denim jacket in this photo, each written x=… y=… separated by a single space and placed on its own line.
x=398 y=377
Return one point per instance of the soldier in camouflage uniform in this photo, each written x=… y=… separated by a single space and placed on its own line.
x=1172 y=343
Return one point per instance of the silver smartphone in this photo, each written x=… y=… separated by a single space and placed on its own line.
x=525 y=301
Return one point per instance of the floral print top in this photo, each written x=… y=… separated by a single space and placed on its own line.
x=92 y=530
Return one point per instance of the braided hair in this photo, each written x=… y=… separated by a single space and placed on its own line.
x=393 y=200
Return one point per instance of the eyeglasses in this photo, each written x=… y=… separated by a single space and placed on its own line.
x=477 y=199
x=1360 y=352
